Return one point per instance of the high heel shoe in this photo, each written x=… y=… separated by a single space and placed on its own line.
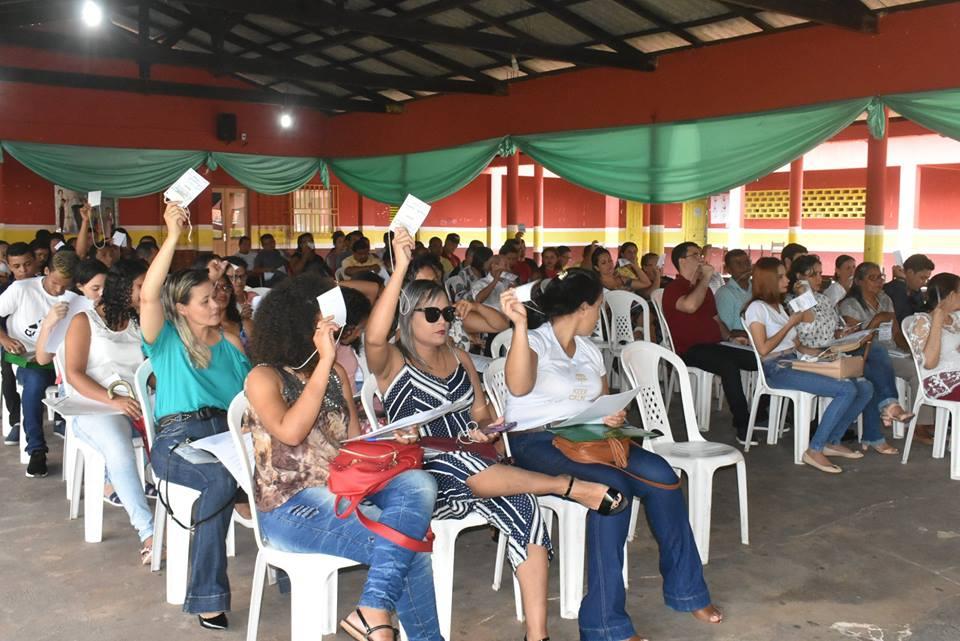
x=612 y=502
x=888 y=418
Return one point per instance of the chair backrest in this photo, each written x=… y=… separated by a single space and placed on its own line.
x=238 y=407
x=457 y=288
x=142 y=389
x=666 y=338
x=261 y=291
x=495 y=382
x=601 y=330
x=907 y=328
x=501 y=343
x=621 y=306
x=367 y=393
x=641 y=363
x=761 y=378
x=340 y=274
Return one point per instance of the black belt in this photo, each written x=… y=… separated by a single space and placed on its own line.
x=202 y=414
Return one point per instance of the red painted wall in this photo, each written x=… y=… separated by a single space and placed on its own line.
x=939 y=189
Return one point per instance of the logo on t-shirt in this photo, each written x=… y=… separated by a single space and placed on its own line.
x=32 y=330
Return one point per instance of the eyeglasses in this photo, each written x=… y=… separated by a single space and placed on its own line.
x=433 y=314
x=694 y=255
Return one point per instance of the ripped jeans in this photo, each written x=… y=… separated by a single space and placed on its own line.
x=399 y=579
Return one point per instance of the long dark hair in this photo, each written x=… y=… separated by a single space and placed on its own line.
x=231 y=312
x=939 y=287
x=800 y=267
x=856 y=291
x=117 y=307
x=569 y=290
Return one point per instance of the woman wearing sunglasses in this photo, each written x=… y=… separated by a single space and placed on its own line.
x=421 y=372
x=555 y=371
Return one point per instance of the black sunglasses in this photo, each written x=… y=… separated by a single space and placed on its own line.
x=433 y=314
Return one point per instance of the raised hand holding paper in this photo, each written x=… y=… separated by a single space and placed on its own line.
x=75 y=305
x=119 y=239
x=411 y=215
x=661 y=261
x=525 y=292
x=186 y=189
x=332 y=304
x=803 y=302
x=898 y=258
x=94 y=198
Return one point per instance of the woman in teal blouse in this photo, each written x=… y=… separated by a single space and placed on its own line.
x=199 y=370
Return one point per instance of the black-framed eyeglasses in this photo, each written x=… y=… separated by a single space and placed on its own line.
x=433 y=314
x=694 y=255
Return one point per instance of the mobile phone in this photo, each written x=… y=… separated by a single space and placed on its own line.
x=499 y=427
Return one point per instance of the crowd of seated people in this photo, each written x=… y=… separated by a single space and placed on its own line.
x=416 y=317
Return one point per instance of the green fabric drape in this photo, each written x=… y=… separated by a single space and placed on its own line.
x=272 y=175
x=936 y=110
x=674 y=162
x=428 y=175
x=121 y=173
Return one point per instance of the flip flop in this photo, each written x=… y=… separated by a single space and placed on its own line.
x=113 y=500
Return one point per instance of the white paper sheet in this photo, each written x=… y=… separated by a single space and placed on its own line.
x=898 y=258
x=521 y=228
x=77 y=405
x=419 y=418
x=60 y=244
x=803 y=302
x=75 y=305
x=661 y=261
x=855 y=337
x=255 y=303
x=94 y=198
x=119 y=239
x=221 y=445
x=525 y=292
x=187 y=188
x=602 y=407
x=411 y=215
x=332 y=304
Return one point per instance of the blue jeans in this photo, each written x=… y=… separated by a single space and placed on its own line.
x=35 y=383
x=399 y=579
x=850 y=397
x=208 y=589
x=878 y=369
x=112 y=436
x=603 y=615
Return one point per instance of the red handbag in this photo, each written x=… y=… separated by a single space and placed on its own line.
x=366 y=467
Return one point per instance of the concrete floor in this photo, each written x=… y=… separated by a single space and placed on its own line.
x=871 y=554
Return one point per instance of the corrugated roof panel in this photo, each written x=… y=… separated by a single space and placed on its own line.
x=340 y=52
x=249 y=34
x=779 y=20
x=541 y=65
x=543 y=26
x=312 y=60
x=276 y=25
x=410 y=5
x=685 y=10
x=455 y=19
x=468 y=57
x=393 y=94
x=881 y=4
x=657 y=42
x=497 y=8
x=613 y=18
x=308 y=38
x=505 y=72
x=374 y=66
x=733 y=28
x=329 y=88
x=370 y=43
x=415 y=63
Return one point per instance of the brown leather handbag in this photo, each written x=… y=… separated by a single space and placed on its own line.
x=612 y=452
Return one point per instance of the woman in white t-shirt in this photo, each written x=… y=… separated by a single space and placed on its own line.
x=101 y=347
x=554 y=372
x=775 y=336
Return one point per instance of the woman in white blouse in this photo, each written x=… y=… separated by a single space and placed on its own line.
x=935 y=338
x=101 y=347
x=775 y=336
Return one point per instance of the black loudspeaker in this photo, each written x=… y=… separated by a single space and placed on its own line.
x=227 y=127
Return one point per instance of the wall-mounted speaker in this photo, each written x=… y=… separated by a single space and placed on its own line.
x=227 y=127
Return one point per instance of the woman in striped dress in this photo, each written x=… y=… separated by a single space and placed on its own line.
x=421 y=372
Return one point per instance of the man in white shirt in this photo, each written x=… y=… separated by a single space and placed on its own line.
x=24 y=305
x=245 y=253
x=487 y=290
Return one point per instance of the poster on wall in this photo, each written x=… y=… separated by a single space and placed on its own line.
x=66 y=216
x=719 y=208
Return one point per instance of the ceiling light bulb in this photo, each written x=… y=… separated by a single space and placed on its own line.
x=286 y=120
x=91 y=13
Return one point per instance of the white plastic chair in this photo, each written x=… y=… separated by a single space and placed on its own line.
x=699 y=459
x=180 y=499
x=701 y=380
x=620 y=327
x=946 y=412
x=501 y=343
x=571 y=515
x=803 y=407
x=313 y=577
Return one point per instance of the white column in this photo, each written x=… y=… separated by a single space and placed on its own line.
x=735 y=218
x=495 y=222
x=907 y=208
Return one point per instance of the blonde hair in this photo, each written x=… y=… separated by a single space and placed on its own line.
x=177 y=289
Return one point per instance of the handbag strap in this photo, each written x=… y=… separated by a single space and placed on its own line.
x=662 y=486
x=397 y=537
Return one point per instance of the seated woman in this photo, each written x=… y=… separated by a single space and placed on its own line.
x=234 y=319
x=237 y=273
x=199 y=369
x=421 y=372
x=867 y=306
x=628 y=266
x=549 y=262
x=935 y=338
x=556 y=366
x=807 y=272
x=88 y=281
x=611 y=279
x=775 y=336
x=102 y=344
x=301 y=409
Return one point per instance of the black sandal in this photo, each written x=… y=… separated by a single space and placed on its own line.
x=611 y=504
x=353 y=630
